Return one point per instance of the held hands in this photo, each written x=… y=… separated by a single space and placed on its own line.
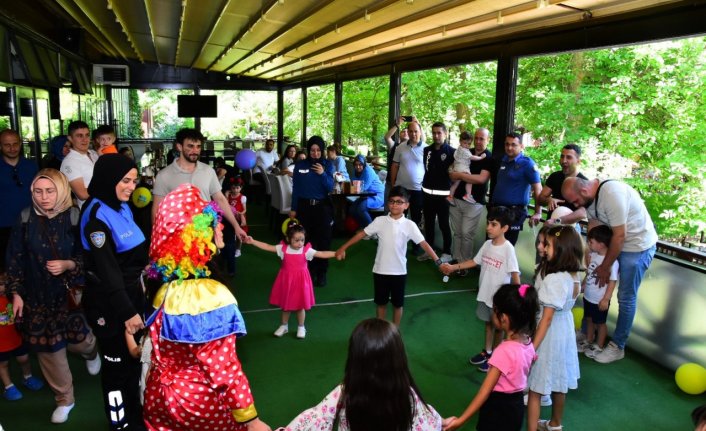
x=450 y=423
x=134 y=324
x=340 y=254
x=446 y=268
x=248 y=240
x=257 y=425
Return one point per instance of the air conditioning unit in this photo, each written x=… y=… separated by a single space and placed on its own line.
x=111 y=74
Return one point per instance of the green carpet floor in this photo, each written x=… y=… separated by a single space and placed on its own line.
x=440 y=332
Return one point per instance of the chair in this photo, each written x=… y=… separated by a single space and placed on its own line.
x=281 y=200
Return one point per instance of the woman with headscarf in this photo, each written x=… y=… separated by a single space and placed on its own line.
x=370 y=183
x=115 y=255
x=311 y=204
x=60 y=147
x=195 y=327
x=44 y=257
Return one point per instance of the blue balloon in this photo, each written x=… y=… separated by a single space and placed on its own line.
x=245 y=159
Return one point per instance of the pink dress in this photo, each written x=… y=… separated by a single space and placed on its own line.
x=293 y=289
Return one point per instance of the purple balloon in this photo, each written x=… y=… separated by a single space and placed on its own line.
x=245 y=159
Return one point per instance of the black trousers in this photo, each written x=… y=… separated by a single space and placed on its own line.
x=120 y=381
x=317 y=219
x=436 y=206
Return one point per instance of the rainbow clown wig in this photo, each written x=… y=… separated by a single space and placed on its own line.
x=182 y=236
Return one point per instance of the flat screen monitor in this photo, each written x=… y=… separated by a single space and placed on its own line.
x=197 y=106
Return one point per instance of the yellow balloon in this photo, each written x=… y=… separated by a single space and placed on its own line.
x=141 y=197
x=578 y=316
x=286 y=223
x=691 y=378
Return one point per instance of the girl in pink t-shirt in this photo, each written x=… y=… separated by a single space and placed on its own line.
x=499 y=399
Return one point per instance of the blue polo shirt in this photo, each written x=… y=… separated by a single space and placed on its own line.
x=512 y=185
x=15 y=194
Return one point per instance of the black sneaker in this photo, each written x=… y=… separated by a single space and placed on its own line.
x=480 y=358
x=483 y=368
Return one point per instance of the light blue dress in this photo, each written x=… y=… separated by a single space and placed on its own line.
x=557 y=366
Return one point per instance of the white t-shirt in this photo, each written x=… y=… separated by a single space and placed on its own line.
x=619 y=204
x=393 y=235
x=497 y=262
x=76 y=165
x=265 y=160
x=280 y=252
x=592 y=292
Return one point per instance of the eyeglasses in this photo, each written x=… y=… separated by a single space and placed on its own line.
x=396 y=202
x=16 y=177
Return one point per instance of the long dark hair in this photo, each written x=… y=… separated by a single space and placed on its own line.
x=520 y=304
x=377 y=385
x=568 y=251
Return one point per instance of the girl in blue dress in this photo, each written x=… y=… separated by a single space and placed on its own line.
x=557 y=367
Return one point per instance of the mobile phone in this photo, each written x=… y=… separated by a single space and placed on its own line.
x=407 y=118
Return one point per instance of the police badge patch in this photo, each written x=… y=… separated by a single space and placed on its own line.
x=443 y=157
x=98 y=238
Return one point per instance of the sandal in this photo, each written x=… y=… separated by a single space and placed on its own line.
x=543 y=425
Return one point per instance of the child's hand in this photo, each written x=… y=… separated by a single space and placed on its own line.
x=449 y=423
x=604 y=304
x=446 y=268
x=340 y=254
x=248 y=239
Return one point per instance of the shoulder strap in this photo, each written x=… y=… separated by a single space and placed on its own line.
x=598 y=191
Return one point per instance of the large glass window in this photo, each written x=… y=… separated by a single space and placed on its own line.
x=638 y=113
x=320 y=112
x=463 y=97
x=242 y=114
x=365 y=108
x=160 y=117
x=293 y=115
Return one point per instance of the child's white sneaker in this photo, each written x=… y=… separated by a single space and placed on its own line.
x=237 y=253
x=283 y=329
x=582 y=345
x=592 y=350
x=61 y=414
x=301 y=332
x=94 y=365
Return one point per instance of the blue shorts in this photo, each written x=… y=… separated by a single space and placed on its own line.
x=389 y=288
x=20 y=351
x=590 y=310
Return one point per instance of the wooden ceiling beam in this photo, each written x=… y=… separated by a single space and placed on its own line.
x=214 y=24
x=181 y=32
x=372 y=32
x=251 y=23
x=149 y=23
x=85 y=21
x=290 y=25
x=123 y=25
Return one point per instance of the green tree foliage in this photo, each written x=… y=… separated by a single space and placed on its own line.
x=463 y=96
x=293 y=114
x=365 y=107
x=638 y=112
x=320 y=111
x=134 y=120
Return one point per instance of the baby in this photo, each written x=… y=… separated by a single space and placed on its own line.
x=462 y=159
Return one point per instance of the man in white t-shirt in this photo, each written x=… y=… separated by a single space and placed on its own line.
x=267 y=157
x=633 y=245
x=393 y=231
x=78 y=164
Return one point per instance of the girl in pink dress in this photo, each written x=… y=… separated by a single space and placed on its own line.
x=293 y=289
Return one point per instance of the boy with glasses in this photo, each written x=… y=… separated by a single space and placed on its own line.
x=390 y=269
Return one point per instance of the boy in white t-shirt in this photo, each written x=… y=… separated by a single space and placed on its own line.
x=390 y=269
x=498 y=266
x=596 y=299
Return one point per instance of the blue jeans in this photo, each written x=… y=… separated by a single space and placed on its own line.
x=632 y=268
x=359 y=211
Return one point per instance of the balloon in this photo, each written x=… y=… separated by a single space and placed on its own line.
x=245 y=159
x=691 y=378
x=141 y=197
x=578 y=316
x=285 y=224
x=350 y=224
